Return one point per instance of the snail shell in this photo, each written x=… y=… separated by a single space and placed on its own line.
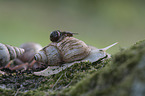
x=8 y=53
x=26 y=60
x=67 y=50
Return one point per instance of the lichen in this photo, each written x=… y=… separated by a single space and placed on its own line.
x=122 y=75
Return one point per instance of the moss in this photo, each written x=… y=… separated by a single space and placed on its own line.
x=71 y=76
x=116 y=78
x=6 y=92
x=123 y=75
x=21 y=83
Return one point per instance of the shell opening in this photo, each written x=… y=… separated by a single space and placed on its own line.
x=36 y=57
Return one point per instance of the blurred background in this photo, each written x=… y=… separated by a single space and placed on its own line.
x=98 y=22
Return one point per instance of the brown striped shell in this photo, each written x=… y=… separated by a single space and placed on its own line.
x=67 y=50
x=8 y=53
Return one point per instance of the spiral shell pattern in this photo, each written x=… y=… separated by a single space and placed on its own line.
x=49 y=55
x=8 y=53
x=68 y=50
x=73 y=49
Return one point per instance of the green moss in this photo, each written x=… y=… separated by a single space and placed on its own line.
x=115 y=78
x=6 y=92
x=71 y=76
x=52 y=84
x=123 y=75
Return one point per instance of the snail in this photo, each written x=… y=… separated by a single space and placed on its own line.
x=26 y=60
x=8 y=53
x=66 y=50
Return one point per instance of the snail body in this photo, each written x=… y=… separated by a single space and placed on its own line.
x=67 y=50
x=8 y=53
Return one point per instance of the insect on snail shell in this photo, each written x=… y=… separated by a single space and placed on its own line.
x=8 y=53
x=64 y=48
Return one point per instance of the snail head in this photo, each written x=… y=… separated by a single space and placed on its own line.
x=57 y=35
